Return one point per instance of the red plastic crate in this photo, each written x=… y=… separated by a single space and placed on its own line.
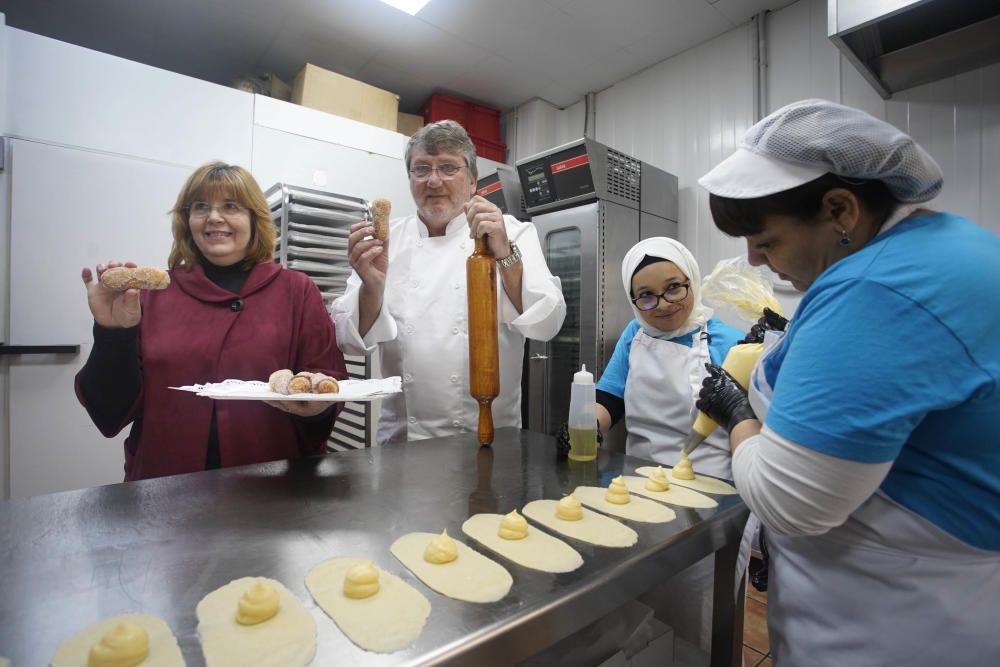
x=491 y=150
x=484 y=122
x=445 y=107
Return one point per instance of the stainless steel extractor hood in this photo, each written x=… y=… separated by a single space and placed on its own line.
x=899 y=44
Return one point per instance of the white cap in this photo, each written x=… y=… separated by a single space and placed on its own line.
x=805 y=140
x=582 y=376
x=746 y=175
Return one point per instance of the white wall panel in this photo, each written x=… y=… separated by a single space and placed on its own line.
x=802 y=62
x=989 y=175
x=68 y=95
x=72 y=208
x=4 y=268
x=306 y=122
x=54 y=445
x=955 y=119
x=282 y=157
x=684 y=116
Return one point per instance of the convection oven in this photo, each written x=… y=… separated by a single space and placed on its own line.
x=590 y=204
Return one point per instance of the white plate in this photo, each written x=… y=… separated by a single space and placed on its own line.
x=255 y=390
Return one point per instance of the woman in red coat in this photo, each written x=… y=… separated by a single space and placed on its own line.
x=229 y=312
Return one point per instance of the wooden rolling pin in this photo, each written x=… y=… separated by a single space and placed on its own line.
x=484 y=351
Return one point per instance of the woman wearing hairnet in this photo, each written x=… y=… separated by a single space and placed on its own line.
x=868 y=444
x=653 y=379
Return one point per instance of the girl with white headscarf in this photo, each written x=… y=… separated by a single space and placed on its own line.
x=657 y=367
x=653 y=380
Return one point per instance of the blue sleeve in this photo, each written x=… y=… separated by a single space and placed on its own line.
x=616 y=372
x=862 y=366
x=722 y=338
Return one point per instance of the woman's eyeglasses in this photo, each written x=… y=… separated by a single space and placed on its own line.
x=673 y=294
x=199 y=210
x=446 y=172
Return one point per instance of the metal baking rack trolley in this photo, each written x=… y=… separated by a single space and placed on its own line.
x=312 y=228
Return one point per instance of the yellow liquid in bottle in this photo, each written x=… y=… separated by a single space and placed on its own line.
x=582 y=444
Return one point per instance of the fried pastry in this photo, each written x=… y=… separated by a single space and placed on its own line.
x=279 y=380
x=324 y=384
x=123 y=278
x=380 y=216
x=301 y=383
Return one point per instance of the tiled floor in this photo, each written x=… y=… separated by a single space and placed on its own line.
x=756 y=648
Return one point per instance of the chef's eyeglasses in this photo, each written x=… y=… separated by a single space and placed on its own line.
x=674 y=293
x=199 y=210
x=446 y=172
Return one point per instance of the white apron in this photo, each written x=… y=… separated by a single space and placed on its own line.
x=664 y=380
x=886 y=588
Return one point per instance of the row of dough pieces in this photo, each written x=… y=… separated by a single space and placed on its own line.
x=255 y=620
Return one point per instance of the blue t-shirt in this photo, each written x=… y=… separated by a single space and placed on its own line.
x=721 y=337
x=894 y=355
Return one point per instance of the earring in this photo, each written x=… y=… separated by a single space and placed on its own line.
x=844 y=238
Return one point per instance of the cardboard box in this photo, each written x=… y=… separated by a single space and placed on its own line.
x=408 y=123
x=321 y=89
x=279 y=89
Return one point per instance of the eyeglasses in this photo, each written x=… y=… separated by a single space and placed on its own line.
x=446 y=172
x=199 y=210
x=674 y=293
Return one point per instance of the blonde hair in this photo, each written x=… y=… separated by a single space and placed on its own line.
x=233 y=182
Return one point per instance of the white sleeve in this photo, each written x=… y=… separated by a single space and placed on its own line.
x=795 y=490
x=345 y=315
x=541 y=292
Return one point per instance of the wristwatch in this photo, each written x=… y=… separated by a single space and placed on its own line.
x=510 y=260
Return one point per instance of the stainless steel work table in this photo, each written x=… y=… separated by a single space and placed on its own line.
x=70 y=559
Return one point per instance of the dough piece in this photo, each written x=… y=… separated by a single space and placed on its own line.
x=279 y=381
x=380 y=218
x=324 y=384
x=301 y=383
x=163 y=649
x=538 y=551
x=675 y=495
x=388 y=621
x=287 y=639
x=471 y=577
x=699 y=483
x=593 y=528
x=123 y=278
x=637 y=509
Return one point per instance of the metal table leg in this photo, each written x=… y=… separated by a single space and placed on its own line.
x=727 y=609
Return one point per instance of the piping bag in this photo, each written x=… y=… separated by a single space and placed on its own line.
x=740 y=291
x=739 y=363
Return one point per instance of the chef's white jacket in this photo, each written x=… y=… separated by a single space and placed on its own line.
x=422 y=330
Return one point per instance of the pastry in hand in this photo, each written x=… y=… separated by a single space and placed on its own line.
x=279 y=380
x=123 y=278
x=380 y=218
x=324 y=384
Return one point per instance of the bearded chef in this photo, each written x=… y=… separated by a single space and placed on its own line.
x=407 y=295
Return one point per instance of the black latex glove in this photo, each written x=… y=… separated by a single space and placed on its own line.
x=770 y=321
x=562 y=440
x=723 y=399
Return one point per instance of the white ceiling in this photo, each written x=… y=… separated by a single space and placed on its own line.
x=499 y=52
